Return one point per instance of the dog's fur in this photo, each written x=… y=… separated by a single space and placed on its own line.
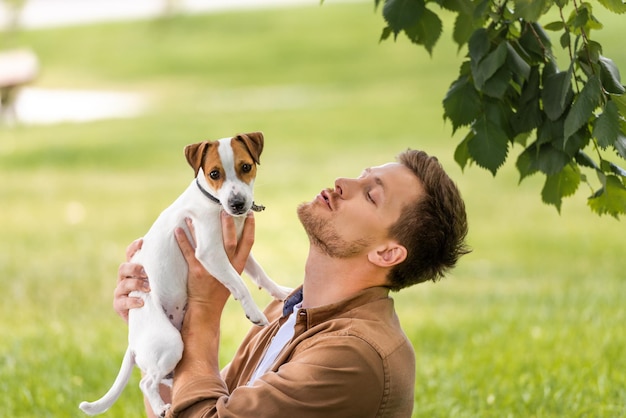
x=226 y=168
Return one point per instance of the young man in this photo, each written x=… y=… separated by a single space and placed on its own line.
x=334 y=348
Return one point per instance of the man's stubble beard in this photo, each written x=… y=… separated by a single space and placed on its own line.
x=323 y=235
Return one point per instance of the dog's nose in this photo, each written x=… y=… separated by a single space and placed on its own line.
x=237 y=205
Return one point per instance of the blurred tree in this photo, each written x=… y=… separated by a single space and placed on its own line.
x=510 y=90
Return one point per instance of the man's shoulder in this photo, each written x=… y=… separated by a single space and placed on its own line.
x=375 y=323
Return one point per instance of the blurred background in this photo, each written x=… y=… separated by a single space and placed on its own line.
x=108 y=93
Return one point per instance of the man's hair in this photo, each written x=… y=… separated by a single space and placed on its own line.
x=433 y=229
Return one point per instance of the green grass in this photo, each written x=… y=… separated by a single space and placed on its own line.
x=529 y=325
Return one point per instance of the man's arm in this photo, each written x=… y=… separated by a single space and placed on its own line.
x=335 y=376
x=206 y=300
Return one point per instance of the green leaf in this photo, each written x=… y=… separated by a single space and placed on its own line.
x=541 y=34
x=606 y=127
x=459 y=6
x=426 y=31
x=488 y=66
x=586 y=161
x=478 y=45
x=516 y=63
x=489 y=146
x=555 y=26
x=497 y=85
x=526 y=162
x=620 y=101
x=402 y=14
x=581 y=20
x=498 y=113
x=529 y=115
x=620 y=145
x=616 y=6
x=462 y=103
x=582 y=109
x=609 y=74
x=463 y=29
x=529 y=10
x=560 y=185
x=551 y=132
x=533 y=47
x=551 y=160
x=461 y=153
x=574 y=143
x=617 y=170
x=610 y=199
x=565 y=40
x=557 y=92
x=387 y=31
x=481 y=8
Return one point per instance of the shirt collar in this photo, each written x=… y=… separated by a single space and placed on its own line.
x=322 y=313
x=291 y=301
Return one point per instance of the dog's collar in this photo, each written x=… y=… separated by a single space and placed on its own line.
x=207 y=194
x=255 y=207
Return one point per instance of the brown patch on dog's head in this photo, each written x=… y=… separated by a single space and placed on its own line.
x=246 y=148
x=245 y=162
x=199 y=155
x=253 y=142
x=196 y=153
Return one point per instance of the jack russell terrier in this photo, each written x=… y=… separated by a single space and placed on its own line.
x=224 y=176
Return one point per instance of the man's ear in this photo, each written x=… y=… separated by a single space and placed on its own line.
x=388 y=255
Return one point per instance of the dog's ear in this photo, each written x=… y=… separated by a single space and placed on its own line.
x=254 y=143
x=195 y=154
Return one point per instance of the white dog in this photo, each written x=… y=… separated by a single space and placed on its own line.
x=225 y=171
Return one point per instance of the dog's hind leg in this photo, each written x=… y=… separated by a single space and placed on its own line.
x=149 y=385
x=159 y=356
x=258 y=275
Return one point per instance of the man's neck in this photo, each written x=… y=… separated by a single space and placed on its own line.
x=329 y=280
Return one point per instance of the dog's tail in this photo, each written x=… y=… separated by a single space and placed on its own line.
x=104 y=403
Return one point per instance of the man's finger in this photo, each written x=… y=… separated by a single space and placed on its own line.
x=229 y=233
x=192 y=231
x=133 y=248
x=185 y=246
x=247 y=236
x=123 y=305
x=130 y=285
x=130 y=270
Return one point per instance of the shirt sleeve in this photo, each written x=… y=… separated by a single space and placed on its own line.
x=336 y=376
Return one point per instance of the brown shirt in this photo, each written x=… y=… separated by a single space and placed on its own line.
x=349 y=359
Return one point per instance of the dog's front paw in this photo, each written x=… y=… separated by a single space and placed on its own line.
x=166 y=408
x=256 y=317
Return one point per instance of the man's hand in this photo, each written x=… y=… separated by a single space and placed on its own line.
x=201 y=286
x=130 y=277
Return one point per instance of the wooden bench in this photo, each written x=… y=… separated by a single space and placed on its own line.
x=18 y=67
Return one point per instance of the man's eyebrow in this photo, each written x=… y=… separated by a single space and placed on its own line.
x=379 y=182
x=377 y=179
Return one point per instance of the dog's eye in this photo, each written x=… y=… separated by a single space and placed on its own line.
x=215 y=175
x=246 y=168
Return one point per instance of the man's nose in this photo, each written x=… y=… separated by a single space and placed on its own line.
x=344 y=186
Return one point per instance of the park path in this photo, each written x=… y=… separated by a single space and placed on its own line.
x=51 y=13
x=43 y=106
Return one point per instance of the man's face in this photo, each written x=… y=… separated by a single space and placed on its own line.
x=355 y=216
